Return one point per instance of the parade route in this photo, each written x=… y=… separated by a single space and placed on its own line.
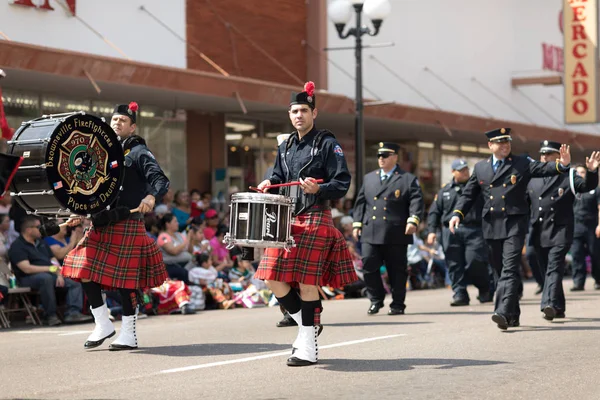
x=433 y=352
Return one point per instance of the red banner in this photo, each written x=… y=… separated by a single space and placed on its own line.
x=6 y=131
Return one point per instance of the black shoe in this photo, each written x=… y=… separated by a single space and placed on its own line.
x=297 y=362
x=577 y=289
x=93 y=344
x=539 y=290
x=500 y=320
x=187 y=310
x=514 y=323
x=560 y=314
x=459 y=301
x=486 y=297
x=395 y=311
x=597 y=286
x=374 y=309
x=549 y=313
x=286 y=321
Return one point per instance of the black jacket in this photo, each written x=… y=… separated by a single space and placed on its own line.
x=143 y=175
x=552 y=220
x=505 y=209
x=443 y=206
x=317 y=155
x=383 y=209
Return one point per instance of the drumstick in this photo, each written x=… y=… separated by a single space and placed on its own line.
x=131 y=211
x=295 y=183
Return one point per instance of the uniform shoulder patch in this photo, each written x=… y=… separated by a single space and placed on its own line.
x=338 y=150
x=149 y=154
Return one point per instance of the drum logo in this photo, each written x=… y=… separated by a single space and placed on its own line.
x=83 y=163
x=269 y=218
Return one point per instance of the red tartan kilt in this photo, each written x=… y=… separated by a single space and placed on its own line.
x=117 y=256
x=320 y=257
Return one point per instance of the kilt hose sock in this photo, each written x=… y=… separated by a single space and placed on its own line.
x=311 y=312
x=93 y=291
x=293 y=304
x=128 y=301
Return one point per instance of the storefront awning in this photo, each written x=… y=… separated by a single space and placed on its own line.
x=67 y=73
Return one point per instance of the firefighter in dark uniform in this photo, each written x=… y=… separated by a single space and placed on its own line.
x=387 y=212
x=502 y=180
x=117 y=253
x=552 y=223
x=587 y=233
x=466 y=251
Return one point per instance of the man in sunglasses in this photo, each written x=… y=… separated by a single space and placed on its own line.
x=387 y=212
x=552 y=223
x=35 y=266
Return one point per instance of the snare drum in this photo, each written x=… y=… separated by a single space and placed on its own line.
x=260 y=220
x=72 y=164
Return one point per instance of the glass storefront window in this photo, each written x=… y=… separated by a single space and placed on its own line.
x=164 y=132
x=20 y=107
x=251 y=150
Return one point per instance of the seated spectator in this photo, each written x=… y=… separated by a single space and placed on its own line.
x=174 y=246
x=211 y=217
x=182 y=209
x=64 y=241
x=216 y=291
x=220 y=254
x=173 y=296
x=197 y=205
x=151 y=225
x=166 y=201
x=417 y=267
x=35 y=267
x=198 y=242
x=336 y=216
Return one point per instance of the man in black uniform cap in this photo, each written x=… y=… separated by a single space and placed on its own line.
x=466 y=251
x=502 y=180
x=387 y=212
x=552 y=223
x=587 y=231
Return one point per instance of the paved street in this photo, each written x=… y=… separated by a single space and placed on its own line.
x=433 y=352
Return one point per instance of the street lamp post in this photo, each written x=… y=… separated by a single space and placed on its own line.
x=340 y=13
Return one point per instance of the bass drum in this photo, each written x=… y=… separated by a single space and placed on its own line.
x=72 y=164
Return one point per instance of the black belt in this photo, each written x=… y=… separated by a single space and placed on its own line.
x=319 y=207
x=136 y=215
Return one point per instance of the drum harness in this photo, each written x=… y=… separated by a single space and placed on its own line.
x=316 y=144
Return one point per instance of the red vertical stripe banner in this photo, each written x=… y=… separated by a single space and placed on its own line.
x=6 y=131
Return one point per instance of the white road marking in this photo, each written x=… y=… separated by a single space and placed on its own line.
x=59 y=333
x=271 y=355
x=75 y=333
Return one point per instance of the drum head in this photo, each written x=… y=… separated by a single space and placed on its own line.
x=84 y=164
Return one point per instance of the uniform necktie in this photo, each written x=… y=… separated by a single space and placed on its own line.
x=497 y=165
x=383 y=177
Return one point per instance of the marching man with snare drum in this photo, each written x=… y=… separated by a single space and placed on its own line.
x=320 y=256
x=116 y=252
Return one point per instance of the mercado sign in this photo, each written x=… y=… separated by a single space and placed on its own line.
x=580 y=21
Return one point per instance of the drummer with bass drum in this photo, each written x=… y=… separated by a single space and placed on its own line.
x=116 y=252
